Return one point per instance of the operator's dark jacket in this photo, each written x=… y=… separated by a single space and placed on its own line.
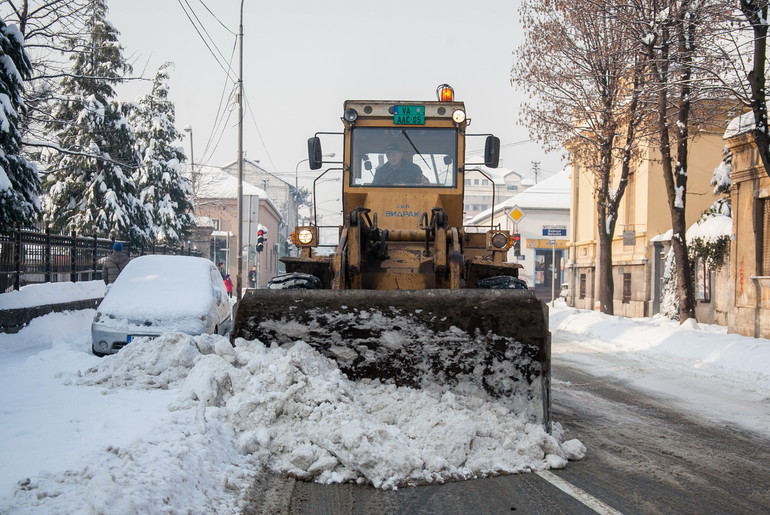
x=113 y=265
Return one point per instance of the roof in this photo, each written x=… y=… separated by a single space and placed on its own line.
x=551 y=193
x=497 y=174
x=213 y=183
x=216 y=183
x=740 y=125
x=255 y=164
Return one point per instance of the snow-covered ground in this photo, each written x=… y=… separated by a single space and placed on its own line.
x=183 y=422
x=51 y=293
x=723 y=377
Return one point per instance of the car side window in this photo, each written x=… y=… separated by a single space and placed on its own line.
x=218 y=286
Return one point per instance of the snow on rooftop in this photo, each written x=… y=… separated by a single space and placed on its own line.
x=740 y=125
x=551 y=193
x=498 y=174
x=215 y=183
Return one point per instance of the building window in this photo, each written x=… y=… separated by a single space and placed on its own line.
x=467 y=182
x=583 y=282
x=626 y=288
x=216 y=222
x=475 y=182
x=766 y=235
x=484 y=182
x=511 y=187
x=702 y=281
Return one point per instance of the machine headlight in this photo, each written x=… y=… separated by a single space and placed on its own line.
x=102 y=346
x=499 y=240
x=351 y=115
x=305 y=236
x=458 y=116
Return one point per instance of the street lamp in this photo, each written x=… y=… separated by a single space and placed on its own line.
x=192 y=157
x=296 y=169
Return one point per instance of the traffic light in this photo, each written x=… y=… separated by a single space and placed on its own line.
x=261 y=240
x=516 y=237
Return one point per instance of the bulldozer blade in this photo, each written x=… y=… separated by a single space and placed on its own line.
x=496 y=339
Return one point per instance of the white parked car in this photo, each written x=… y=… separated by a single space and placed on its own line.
x=157 y=294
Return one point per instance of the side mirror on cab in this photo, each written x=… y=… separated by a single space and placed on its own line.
x=314 y=153
x=492 y=152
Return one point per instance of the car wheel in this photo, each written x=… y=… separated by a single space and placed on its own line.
x=502 y=282
x=294 y=281
x=97 y=353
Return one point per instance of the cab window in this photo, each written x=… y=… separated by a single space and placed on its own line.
x=404 y=157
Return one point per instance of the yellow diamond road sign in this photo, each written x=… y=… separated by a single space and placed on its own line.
x=516 y=214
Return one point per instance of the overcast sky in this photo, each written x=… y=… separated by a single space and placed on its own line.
x=302 y=59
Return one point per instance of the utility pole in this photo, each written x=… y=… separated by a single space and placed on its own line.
x=239 y=239
x=535 y=169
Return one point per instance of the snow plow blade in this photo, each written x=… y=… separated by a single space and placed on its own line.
x=497 y=340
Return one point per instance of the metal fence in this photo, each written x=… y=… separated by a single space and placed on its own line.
x=30 y=257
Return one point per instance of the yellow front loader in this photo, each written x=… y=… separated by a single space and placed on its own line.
x=409 y=294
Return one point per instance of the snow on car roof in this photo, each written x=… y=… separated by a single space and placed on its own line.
x=154 y=287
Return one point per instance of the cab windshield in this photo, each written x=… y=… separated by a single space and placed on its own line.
x=409 y=157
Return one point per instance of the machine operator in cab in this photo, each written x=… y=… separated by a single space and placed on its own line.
x=397 y=169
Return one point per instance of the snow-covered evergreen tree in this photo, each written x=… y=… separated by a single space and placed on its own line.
x=89 y=182
x=19 y=181
x=165 y=195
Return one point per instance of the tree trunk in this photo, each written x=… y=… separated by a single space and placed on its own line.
x=604 y=269
x=756 y=13
x=686 y=290
x=606 y=283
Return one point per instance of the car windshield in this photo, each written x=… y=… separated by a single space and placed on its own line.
x=412 y=157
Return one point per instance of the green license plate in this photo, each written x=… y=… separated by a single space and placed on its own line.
x=409 y=115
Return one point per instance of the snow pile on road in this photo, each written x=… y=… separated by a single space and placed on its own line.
x=297 y=413
x=189 y=421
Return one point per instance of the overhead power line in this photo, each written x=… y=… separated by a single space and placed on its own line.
x=225 y=68
x=215 y=17
x=506 y=145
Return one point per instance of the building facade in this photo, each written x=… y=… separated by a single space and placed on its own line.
x=481 y=183
x=749 y=263
x=217 y=204
x=540 y=215
x=643 y=228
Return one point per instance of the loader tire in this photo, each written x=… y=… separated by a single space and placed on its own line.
x=294 y=281
x=502 y=282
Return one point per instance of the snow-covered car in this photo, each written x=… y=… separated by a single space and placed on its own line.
x=158 y=294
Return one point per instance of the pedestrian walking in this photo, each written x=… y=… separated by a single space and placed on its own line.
x=114 y=264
